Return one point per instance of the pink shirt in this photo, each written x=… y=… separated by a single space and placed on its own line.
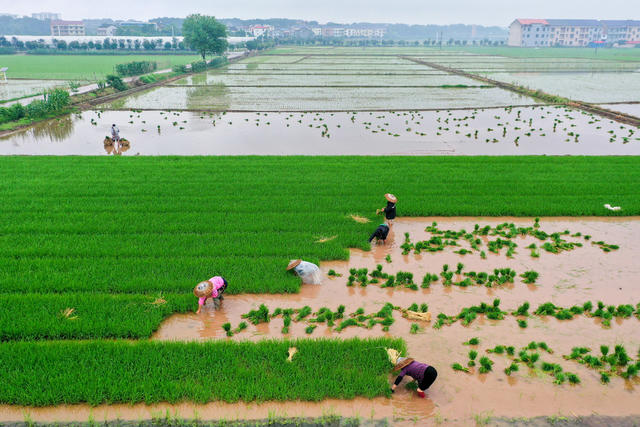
x=217 y=283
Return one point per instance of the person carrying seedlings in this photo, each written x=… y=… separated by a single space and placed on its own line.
x=212 y=288
x=308 y=272
x=424 y=374
x=389 y=210
x=381 y=233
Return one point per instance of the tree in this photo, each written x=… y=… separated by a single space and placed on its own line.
x=205 y=35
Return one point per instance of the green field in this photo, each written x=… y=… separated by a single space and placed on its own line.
x=144 y=226
x=79 y=67
x=150 y=372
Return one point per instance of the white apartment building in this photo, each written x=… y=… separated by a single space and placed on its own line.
x=570 y=32
x=46 y=16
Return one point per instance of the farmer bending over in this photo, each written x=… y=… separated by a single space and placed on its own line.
x=212 y=288
x=381 y=233
x=389 y=210
x=308 y=272
x=424 y=374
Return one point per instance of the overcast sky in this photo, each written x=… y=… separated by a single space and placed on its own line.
x=485 y=12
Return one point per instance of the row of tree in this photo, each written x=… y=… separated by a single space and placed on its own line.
x=106 y=44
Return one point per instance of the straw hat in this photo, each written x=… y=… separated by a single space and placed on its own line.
x=203 y=289
x=403 y=362
x=293 y=264
x=391 y=198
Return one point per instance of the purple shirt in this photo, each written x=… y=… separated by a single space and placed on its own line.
x=415 y=370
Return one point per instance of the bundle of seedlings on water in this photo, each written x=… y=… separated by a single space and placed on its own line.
x=546 y=309
x=227 y=328
x=377 y=273
x=459 y=268
x=529 y=276
x=388 y=258
x=543 y=345
x=472 y=341
x=390 y=283
x=564 y=314
x=415 y=328
x=472 y=358
x=605 y=378
x=303 y=312
x=443 y=319
x=346 y=323
x=333 y=273
x=499 y=349
x=261 y=315
x=631 y=372
x=577 y=353
x=560 y=378
x=523 y=310
x=512 y=368
x=486 y=365
x=241 y=327
x=287 y=322
x=458 y=367
x=310 y=328
x=428 y=279
x=551 y=367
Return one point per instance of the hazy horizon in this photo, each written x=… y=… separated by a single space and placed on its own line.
x=490 y=12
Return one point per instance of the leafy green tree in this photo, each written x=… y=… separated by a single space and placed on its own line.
x=205 y=35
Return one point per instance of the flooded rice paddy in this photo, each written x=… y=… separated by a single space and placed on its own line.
x=17 y=88
x=547 y=130
x=573 y=277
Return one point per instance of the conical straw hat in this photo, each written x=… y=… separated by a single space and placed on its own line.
x=391 y=198
x=203 y=289
x=403 y=362
x=294 y=264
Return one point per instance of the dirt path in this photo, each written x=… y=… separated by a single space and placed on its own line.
x=584 y=274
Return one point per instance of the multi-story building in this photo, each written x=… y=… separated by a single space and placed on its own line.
x=365 y=32
x=46 y=16
x=107 y=30
x=67 y=28
x=570 y=32
x=261 y=30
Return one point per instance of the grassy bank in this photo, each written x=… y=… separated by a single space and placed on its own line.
x=150 y=372
x=80 y=67
x=141 y=226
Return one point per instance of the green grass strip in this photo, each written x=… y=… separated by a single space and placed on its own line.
x=86 y=316
x=53 y=373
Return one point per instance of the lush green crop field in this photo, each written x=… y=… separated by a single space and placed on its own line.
x=79 y=67
x=142 y=226
x=112 y=372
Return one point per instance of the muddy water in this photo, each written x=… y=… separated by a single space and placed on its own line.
x=567 y=278
x=518 y=131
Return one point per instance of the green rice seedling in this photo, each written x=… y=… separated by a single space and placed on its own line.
x=227 y=329
x=546 y=309
x=605 y=378
x=560 y=378
x=483 y=255
x=241 y=327
x=564 y=314
x=573 y=378
x=424 y=308
x=604 y=350
x=258 y=316
x=473 y=341
x=459 y=268
x=472 y=358
x=631 y=372
x=415 y=328
x=413 y=307
x=523 y=310
x=486 y=365
x=346 y=323
x=530 y=276
x=543 y=345
x=514 y=367
x=388 y=258
x=333 y=273
x=303 y=313
x=458 y=367
x=310 y=328
x=499 y=349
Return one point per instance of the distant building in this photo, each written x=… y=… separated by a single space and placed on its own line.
x=107 y=30
x=570 y=32
x=67 y=28
x=10 y=15
x=261 y=30
x=365 y=32
x=46 y=16
x=317 y=31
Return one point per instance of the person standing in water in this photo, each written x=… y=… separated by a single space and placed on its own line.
x=389 y=210
x=212 y=288
x=424 y=374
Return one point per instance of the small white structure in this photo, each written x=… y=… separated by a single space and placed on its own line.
x=3 y=74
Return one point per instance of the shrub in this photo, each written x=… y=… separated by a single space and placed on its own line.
x=116 y=82
x=181 y=69
x=136 y=68
x=199 y=66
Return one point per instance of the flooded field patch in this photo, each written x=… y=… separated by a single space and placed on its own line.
x=20 y=88
x=505 y=131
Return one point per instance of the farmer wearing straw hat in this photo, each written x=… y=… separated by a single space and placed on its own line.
x=308 y=272
x=390 y=209
x=424 y=374
x=212 y=288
